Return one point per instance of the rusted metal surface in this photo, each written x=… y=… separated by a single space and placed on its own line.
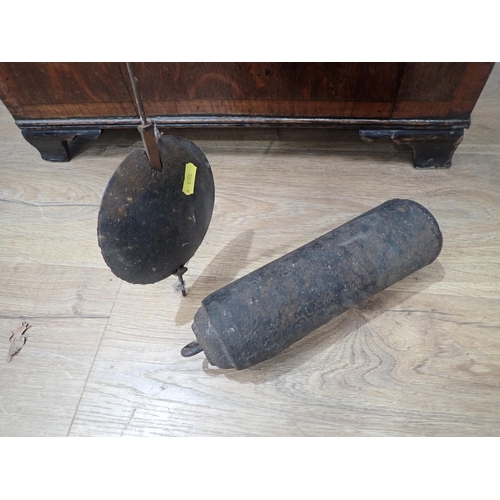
x=146 y=129
x=150 y=145
x=137 y=96
x=148 y=228
x=263 y=313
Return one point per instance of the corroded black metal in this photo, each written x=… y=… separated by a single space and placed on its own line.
x=191 y=349
x=148 y=228
x=263 y=313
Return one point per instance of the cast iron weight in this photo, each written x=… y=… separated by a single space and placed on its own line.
x=261 y=314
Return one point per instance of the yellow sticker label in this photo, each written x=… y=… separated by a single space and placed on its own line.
x=189 y=178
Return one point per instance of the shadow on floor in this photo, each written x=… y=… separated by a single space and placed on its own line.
x=221 y=270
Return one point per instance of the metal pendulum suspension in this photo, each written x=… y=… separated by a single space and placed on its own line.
x=146 y=129
x=149 y=224
x=149 y=141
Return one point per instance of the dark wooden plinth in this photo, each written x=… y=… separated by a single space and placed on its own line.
x=431 y=148
x=433 y=142
x=52 y=144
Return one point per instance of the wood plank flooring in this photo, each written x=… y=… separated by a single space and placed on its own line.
x=421 y=358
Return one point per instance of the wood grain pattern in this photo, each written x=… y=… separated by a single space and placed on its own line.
x=341 y=90
x=41 y=386
x=63 y=83
x=269 y=81
x=419 y=359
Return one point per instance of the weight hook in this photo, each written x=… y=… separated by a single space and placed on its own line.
x=191 y=349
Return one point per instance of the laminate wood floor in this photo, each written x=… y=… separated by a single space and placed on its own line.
x=421 y=358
